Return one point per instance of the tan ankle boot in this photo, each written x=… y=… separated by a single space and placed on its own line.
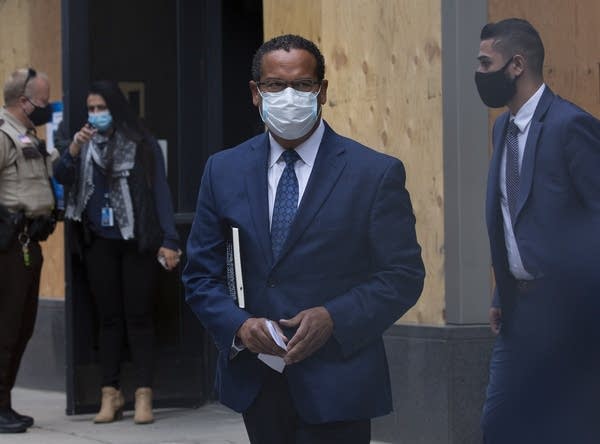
x=143 y=406
x=112 y=406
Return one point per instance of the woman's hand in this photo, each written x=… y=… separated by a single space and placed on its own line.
x=80 y=138
x=171 y=257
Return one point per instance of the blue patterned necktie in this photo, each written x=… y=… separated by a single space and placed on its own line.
x=286 y=202
x=512 y=167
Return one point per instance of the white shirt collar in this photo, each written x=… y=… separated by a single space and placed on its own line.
x=307 y=150
x=525 y=113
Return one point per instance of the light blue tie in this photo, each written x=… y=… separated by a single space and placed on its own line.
x=512 y=167
x=286 y=202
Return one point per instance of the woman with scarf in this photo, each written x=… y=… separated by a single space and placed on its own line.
x=119 y=193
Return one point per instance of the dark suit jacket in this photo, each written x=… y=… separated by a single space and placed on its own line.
x=352 y=248
x=557 y=224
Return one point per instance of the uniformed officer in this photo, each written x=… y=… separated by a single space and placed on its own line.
x=26 y=207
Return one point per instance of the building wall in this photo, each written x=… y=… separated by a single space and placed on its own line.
x=30 y=36
x=384 y=67
x=571 y=39
x=383 y=63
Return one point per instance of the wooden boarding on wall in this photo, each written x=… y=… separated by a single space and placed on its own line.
x=569 y=31
x=292 y=17
x=30 y=36
x=52 y=284
x=383 y=63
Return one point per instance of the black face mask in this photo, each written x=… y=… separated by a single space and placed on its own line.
x=496 y=88
x=40 y=116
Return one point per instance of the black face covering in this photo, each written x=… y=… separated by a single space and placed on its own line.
x=496 y=88
x=40 y=116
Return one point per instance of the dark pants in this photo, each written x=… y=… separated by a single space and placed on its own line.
x=543 y=384
x=272 y=419
x=19 y=293
x=123 y=282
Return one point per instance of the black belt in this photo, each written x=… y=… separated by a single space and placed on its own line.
x=37 y=228
x=22 y=224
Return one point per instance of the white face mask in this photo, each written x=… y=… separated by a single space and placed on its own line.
x=289 y=114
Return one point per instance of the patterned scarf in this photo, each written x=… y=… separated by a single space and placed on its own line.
x=98 y=151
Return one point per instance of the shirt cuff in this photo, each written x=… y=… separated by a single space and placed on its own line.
x=236 y=346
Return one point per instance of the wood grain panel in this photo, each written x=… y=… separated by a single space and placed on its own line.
x=14 y=37
x=384 y=69
x=292 y=17
x=569 y=30
x=52 y=284
x=30 y=36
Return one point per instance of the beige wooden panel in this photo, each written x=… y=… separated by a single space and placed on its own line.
x=14 y=36
x=292 y=17
x=384 y=69
x=30 y=36
x=46 y=55
x=53 y=272
x=569 y=30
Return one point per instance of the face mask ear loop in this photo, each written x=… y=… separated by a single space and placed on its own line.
x=260 y=108
x=319 y=106
x=262 y=104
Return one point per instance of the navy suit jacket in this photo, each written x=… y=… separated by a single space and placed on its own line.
x=557 y=223
x=351 y=248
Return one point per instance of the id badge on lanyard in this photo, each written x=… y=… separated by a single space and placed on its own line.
x=106 y=214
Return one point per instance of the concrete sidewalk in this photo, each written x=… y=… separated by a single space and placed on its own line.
x=209 y=424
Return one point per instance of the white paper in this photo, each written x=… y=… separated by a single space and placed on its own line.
x=237 y=265
x=275 y=362
x=164 y=148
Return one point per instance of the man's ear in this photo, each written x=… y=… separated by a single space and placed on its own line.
x=323 y=93
x=518 y=65
x=22 y=100
x=255 y=94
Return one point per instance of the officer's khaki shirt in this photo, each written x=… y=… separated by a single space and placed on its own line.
x=24 y=172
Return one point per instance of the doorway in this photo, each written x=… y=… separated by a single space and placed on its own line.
x=184 y=66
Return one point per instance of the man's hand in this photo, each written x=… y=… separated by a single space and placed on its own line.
x=315 y=326
x=495 y=315
x=255 y=335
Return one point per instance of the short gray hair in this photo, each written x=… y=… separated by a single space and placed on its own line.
x=15 y=86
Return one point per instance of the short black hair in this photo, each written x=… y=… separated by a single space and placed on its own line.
x=517 y=36
x=287 y=42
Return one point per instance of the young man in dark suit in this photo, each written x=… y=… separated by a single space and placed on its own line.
x=329 y=256
x=543 y=218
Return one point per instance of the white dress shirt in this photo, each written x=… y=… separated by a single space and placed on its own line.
x=307 y=151
x=523 y=121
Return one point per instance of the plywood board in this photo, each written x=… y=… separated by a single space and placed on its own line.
x=30 y=36
x=569 y=31
x=383 y=63
x=292 y=17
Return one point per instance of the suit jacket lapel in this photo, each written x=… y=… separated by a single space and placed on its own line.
x=493 y=185
x=328 y=166
x=257 y=186
x=528 y=165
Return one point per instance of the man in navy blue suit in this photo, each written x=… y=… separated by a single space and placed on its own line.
x=543 y=218
x=329 y=255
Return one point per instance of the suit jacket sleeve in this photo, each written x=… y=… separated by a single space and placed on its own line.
x=582 y=142
x=204 y=275
x=362 y=314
